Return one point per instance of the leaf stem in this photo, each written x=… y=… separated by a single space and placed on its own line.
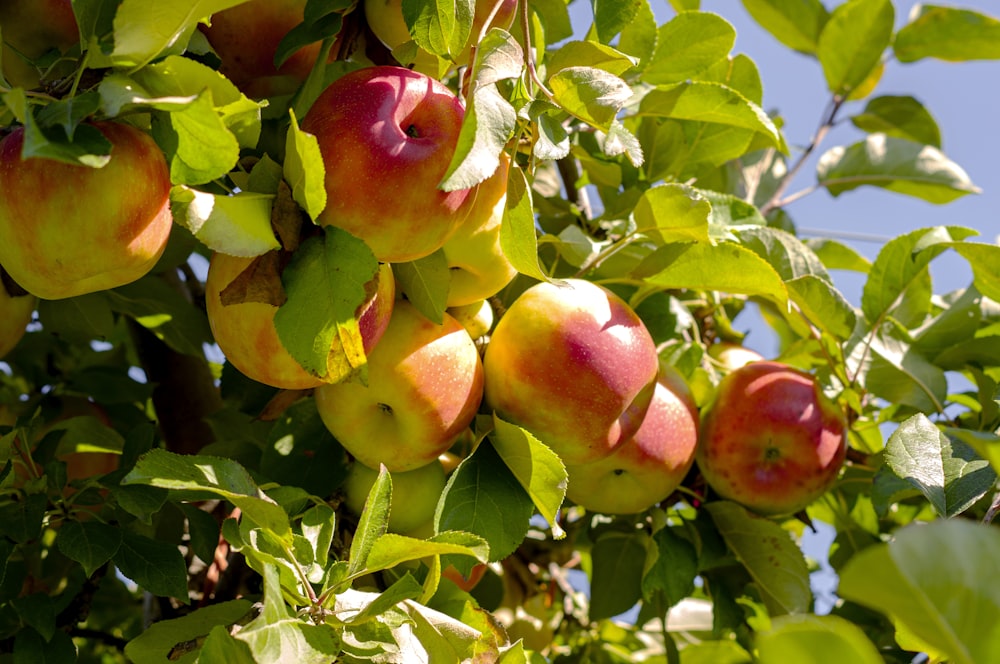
x=529 y=59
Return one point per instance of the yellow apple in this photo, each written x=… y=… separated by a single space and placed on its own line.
x=479 y=268
x=476 y=318
x=425 y=383
x=15 y=314
x=731 y=355
x=649 y=466
x=246 y=334
x=573 y=364
x=415 y=493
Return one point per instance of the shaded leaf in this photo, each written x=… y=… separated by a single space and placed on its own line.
x=425 y=282
x=617 y=561
x=156 y=566
x=89 y=543
x=900 y=117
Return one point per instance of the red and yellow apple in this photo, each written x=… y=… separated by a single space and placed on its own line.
x=246 y=38
x=479 y=268
x=70 y=229
x=246 y=334
x=648 y=467
x=770 y=439
x=387 y=135
x=476 y=318
x=415 y=493
x=573 y=364
x=425 y=384
x=15 y=314
x=31 y=29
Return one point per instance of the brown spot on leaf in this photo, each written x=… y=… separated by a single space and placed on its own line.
x=286 y=218
x=260 y=281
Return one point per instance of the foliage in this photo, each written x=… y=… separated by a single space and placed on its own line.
x=642 y=158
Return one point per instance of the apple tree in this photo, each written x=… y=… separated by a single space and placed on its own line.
x=409 y=330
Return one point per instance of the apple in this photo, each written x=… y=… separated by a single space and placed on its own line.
x=385 y=18
x=425 y=384
x=387 y=135
x=479 y=268
x=415 y=493
x=246 y=38
x=476 y=318
x=573 y=364
x=246 y=334
x=15 y=314
x=71 y=229
x=731 y=355
x=650 y=465
x=771 y=440
x=31 y=29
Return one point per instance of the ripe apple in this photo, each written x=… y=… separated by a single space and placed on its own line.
x=648 y=467
x=731 y=356
x=69 y=230
x=246 y=334
x=246 y=38
x=415 y=493
x=15 y=314
x=771 y=440
x=32 y=28
x=476 y=318
x=387 y=135
x=479 y=268
x=385 y=18
x=573 y=364
x=425 y=383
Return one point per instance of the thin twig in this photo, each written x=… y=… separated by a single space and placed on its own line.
x=529 y=59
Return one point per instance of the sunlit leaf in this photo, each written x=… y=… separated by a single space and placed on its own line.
x=948 y=33
x=795 y=23
x=687 y=44
x=852 y=41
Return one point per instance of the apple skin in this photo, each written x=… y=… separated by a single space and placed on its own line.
x=479 y=268
x=246 y=334
x=15 y=314
x=476 y=318
x=415 y=493
x=390 y=133
x=425 y=384
x=574 y=365
x=385 y=18
x=732 y=356
x=648 y=467
x=32 y=28
x=70 y=230
x=246 y=38
x=771 y=440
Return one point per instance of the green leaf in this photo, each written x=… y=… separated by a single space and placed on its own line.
x=895 y=164
x=539 y=470
x=221 y=646
x=304 y=169
x=903 y=376
x=947 y=473
x=89 y=543
x=32 y=648
x=390 y=549
x=838 y=256
x=318 y=527
x=768 y=553
x=165 y=312
x=425 y=282
x=949 y=606
x=786 y=253
x=711 y=104
x=851 y=43
x=81 y=318
x=222 y=477
x=157 y=641
x=674 y=213
x=196 y=142
x=986 y=445
x=948 y=33
x=441 y=27
x=484 y=497
x=139 y=38
x=740 y=73
x=301 y=452
x=234 y=224
x=21 y=521
x=37 y=611
x=612 y=16
x=674 y=569
x=592 y=95
x=517 y=232
x=726 y=267
x=687 y=44
x=985 y=262
x=716 y=652
x=617 y=561
x=326 y=284
x=155 y=565
x=404 y=588
x=638 y=38
x=823 y=305
x=815 y=639
x=373 y=523
x=900 y=117
x=795 y=23
x=203 y=531
x=589 y=54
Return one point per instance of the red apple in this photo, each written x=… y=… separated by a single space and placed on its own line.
x=31 y=29
x=573 y=364
x=479 y=268
x=246 y=334
x=771 y=440
x=70 y=229
x=648 y=467
x=246 y=38
x=425 y=383
x=387 y=135
x=15 y=314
